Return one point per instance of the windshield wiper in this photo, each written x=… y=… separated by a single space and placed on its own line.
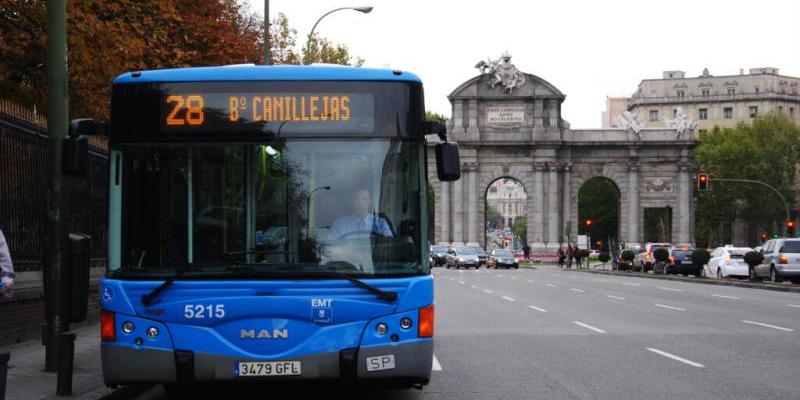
x=147 y=299
x=382 y=294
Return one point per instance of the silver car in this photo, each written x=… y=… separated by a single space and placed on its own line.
x=781 y=261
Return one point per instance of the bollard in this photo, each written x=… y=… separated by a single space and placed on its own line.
x=3 y=374
x=66 y=355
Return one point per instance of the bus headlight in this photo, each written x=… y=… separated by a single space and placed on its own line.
x=151 y=332
x=128 y=327
x=405 y=323
x=381 y=329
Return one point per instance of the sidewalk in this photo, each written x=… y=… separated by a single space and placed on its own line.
x=27 y=379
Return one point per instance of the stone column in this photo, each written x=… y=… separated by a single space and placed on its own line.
x=684 y=205
x=472 y=127
x=552 y=206
x=472 y=204
x=445 y=208
x=633 y=202
x=458 y=116
x=553 y=114
x=457 y=201
x=538 y=111
x=538 y=206
x=566 y=201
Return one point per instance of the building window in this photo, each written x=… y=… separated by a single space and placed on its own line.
x=674 y=112
x=702 y=131
x=702 y=113
x=791 y=112
x=653 y=115
x=728 y=112
x=705 y=92
x=756 y=88
x=679 y=93
x=780 y=109
x=731 y=91
x=753 y=111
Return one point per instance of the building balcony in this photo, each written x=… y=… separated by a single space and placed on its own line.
x=716 y=98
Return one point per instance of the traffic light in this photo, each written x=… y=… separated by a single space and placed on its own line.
x=790 y=228
x=763 y=237
x=588 y=223
x=702 y=182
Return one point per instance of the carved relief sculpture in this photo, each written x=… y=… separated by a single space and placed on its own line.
x=502 y=72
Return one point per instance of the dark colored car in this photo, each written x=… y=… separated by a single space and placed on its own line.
x=680 y=262
x=502 y=258
x=438 y=255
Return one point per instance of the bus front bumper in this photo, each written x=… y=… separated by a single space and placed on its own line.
x=127 y=365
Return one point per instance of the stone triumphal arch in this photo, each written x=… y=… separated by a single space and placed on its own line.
x=509 y=124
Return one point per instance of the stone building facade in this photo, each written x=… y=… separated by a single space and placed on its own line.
x=716 y=100
x=519 y=133
x=613 y=113
x=508 y=198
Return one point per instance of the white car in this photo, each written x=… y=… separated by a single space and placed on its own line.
x=729 y=261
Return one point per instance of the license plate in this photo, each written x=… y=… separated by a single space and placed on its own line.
x=380 y=363
x=268 y=368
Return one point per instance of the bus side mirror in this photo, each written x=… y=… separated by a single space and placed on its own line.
x=80 y=250
x=448 y=163
x=75 y=157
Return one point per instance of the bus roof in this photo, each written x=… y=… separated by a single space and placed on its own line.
x=251 y=72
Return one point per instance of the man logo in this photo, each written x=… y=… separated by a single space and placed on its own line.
x=264 y=334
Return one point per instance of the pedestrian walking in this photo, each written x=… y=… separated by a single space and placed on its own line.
x=568 y=254
x=526 y=251
x=6 y=269
x=561 y=256
x=577 y=254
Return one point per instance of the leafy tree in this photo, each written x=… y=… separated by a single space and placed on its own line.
x=493 y=215
x=433 y=116
x=753 y=258
x=700 y=257
x=628 y=255
x=520 y=228
x=322 y=50
x=598 y=199
x=768 y=149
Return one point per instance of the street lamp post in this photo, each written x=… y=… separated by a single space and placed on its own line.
x=365 y=10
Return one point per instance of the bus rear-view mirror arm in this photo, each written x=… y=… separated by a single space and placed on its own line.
x=448 y=162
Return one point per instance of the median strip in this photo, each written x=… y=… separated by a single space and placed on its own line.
x=780 y=328
x=587 y=326
x=669 y=307
x=676 y=358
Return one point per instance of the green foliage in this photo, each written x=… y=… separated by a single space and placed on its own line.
x=628 y=255
x=700 y=257
x=520 y=228
x=604 y=257
x=432 y=116
x=598 y=199
x=322 y=50
x=753 y=258
x=493 y=215
x=583 y=253
x=767 y=150
x=661 y=254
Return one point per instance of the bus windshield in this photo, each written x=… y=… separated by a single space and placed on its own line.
x=298 y=206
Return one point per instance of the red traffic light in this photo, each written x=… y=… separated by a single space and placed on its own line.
x=589 y=222
x=702 y=182
x=790 y=224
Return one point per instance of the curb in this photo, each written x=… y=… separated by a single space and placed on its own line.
x=777 y=288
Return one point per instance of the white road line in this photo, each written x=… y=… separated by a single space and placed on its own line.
x=549 y=285
x=436 y=365
x=499 y=275
x=793 y=305
x=537 y=308
x=530 y=281
x=513 y=277
x=726 y=297
x=780 y=328
x=587 y=326
x=462 y=282
x=676 y=358
x=600 y=280
x=669 y=307
x=577 y=290
x=670 y=289
x=508 y=298
x=473 y=286
x=615 y=297
x=630 y=284
x=487 y=291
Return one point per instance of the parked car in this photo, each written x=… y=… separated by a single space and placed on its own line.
x=781 y=261
x=462 y=257
x=644 y=260
x=728 y=261
x=437 y=254
x=502 y=258
x=480 y=252
x=680 y=262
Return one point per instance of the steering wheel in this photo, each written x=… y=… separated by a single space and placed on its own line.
x=371 y=233
x=340 y=265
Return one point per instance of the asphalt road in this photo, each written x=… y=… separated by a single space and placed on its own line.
x=552 y=334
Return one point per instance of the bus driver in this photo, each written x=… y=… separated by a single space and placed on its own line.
x=361 y=223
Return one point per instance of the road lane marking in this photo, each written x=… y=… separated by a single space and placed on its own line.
x=780 y=328
x=630 y=284
x=508 y=298
x=670 y=289
x=487 y=291
x=436 y=365
x=513 y=277
x=587 y=326
x=530 y=281
x=473 y=286
x=462 y=282
x=615 y=297
x=676 y=358
x=499 y=275
x=726 y=297
x=600 y=280
x=549 y=285
x=537 y=308
x=669 y=307
x=793 y=305
x=577 y=290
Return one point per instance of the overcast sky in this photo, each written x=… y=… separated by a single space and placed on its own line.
x=587 y=49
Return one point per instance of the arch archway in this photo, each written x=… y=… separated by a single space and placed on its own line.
x=505 y=212
x=599 y=212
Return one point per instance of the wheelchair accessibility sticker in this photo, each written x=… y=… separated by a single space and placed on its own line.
x=322 y=310
x=107 y=295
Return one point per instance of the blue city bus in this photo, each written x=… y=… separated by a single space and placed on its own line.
x=269 y=222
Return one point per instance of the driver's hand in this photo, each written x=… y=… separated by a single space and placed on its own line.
x=8 y=287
